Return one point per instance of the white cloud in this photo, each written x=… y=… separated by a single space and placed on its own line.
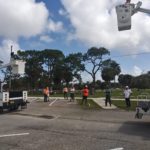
x=55 y=26
x=5 y=50
x=46 y=38
x=62 y=12
x=70 y=37
x=134 y=71
x=137 y=71
x=22 y=18
x=95 y=23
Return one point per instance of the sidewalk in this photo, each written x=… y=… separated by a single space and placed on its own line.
x=101 y=103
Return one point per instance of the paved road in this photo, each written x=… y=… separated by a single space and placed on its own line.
x=60 y=125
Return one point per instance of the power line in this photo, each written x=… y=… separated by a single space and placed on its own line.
x=135 y=54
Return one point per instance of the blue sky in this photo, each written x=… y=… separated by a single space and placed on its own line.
x=75 y=26
x=54 y=6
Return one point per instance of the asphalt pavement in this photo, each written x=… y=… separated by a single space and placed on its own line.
x=63 y=125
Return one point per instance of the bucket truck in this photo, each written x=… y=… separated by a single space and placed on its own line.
x=12 y=100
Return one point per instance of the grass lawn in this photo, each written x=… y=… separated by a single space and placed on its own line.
x=122 y=105
x=91 y=104
x=116 y=93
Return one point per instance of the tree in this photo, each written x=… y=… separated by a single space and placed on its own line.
x=142 y=81
x=62 y=74
x=73 y=62
x=125 y=79
x=50 y=59
x=107 y=74
x=109 y=70
x=94 y=57
x=33 y=67
x=68 y=69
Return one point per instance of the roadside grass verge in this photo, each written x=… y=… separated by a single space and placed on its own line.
x=115 y=93
x=90 y=104
x=122 y=105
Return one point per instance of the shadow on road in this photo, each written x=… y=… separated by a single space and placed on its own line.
x=141 y=129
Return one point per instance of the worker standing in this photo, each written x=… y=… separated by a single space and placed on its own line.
x=85 y=94
x=107 y=96
x=72 y=93
x=65 y=91
x=46 y=94
x=127 y=94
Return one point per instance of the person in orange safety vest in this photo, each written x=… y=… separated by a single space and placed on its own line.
x=85 y=94
x=46 y=93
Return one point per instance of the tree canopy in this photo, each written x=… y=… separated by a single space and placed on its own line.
x=95 y=57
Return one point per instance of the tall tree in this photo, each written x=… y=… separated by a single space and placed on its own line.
x=74 y=64
x=62 y=74
x=50 y=59
x=94 y=57
x=33 y=67
x=69 y=69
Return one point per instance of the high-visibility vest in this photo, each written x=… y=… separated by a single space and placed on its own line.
x=65 y=89
x=85 y=92
x=46 y=91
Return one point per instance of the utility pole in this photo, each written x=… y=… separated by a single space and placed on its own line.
x=10 y=69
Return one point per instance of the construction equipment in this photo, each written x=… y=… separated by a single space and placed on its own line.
x=12 y=100
x=125 y=13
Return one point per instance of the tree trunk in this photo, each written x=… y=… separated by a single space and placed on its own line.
x=93 y=86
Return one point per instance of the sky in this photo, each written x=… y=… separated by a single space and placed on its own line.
x=75 y=26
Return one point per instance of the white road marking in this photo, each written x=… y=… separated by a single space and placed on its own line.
x=52 y=102
x=70 y=103
x=121 y=148
x=19 y=134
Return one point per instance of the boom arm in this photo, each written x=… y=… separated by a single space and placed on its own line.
x=144 y=10
x=138 y=8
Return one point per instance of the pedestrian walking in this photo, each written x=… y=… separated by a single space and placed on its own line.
x=127 y=94
x=72 y=93
x=85 y=94
x=46 y=94
x=65 y=91
x=108 y=96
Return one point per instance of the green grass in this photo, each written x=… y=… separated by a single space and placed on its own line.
x=122 y=105
x=90 y=105
x=116 y=93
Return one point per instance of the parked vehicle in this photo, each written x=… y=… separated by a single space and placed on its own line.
x=13 y=100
